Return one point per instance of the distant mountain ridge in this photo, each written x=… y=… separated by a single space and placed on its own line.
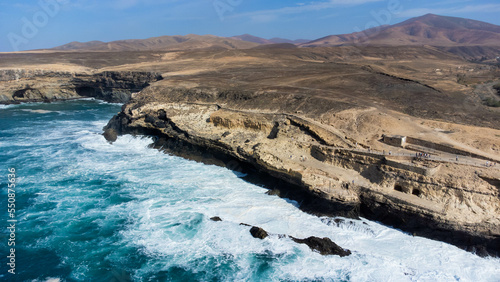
x=251 y=38
x=275 y=40
x=429 y=29
x=166 y=43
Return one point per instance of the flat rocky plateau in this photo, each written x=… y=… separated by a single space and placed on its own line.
x=395 y=134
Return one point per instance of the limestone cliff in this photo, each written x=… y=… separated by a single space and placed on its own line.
x=21 y=85
x=328 y=148
x=431 y=197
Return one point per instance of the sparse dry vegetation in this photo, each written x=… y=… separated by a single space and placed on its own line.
x=497 y=88
x=490 y=102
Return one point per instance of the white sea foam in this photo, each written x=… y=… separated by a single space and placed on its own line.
x=100 y=101
x=2 y=107
x=38 y=111
x=162 y=207
x=382 y=254
x=109 y=103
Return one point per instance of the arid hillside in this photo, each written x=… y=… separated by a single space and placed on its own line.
x=323 y=119
x=423 y=82
x=425 y=30
x=187 y=42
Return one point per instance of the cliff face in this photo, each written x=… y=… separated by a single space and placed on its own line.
x=41 y=85
x=452 y=202
x=327 y=147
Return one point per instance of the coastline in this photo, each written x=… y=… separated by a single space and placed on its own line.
x=331 y=170
x=190 y=131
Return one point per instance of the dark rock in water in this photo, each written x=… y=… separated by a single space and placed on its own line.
x=110 y=135
x=215 y=218
x=324 y=246
x=258 y=232
x=478 y=250
x=244 y=224
x=272 y=192
x=339 y=221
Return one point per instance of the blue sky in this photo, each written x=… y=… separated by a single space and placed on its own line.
x=27 y=24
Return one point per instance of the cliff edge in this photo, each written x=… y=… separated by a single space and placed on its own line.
x=428 y=188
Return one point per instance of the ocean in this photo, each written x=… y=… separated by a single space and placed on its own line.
x=88 y=210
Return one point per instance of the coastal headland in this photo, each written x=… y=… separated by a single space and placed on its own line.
x=398 y=135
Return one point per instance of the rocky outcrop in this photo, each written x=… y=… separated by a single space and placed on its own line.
x=452 y=203
x=325 y=246
x=42 y=85
x=258 y=232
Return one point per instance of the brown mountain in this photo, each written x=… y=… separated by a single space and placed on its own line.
x=425 y=30
x=275 y=40
x=430 y=29
x=75 y=45
x=251 y=38
x=187 y=42
x=278 y=40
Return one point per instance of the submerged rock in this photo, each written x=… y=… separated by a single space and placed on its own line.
x=273 y=192
x=110 y=135
x=324 y=246
x=258 y=232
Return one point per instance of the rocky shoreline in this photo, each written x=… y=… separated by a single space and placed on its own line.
x=337 y=179
x=324 y=246
x=329 y=171
x=20 y=86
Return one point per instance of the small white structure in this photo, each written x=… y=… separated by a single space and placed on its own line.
x=395 y=140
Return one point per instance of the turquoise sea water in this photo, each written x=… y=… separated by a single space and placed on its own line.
x=92 y=211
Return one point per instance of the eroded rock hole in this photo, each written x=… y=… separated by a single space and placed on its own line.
x=86 y=91
x=416 y=192
x=19 y=93
x=398 y=187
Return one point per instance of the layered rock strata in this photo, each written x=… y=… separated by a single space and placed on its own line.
x=441 y=200
x=280 y=135
x=43 y=86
